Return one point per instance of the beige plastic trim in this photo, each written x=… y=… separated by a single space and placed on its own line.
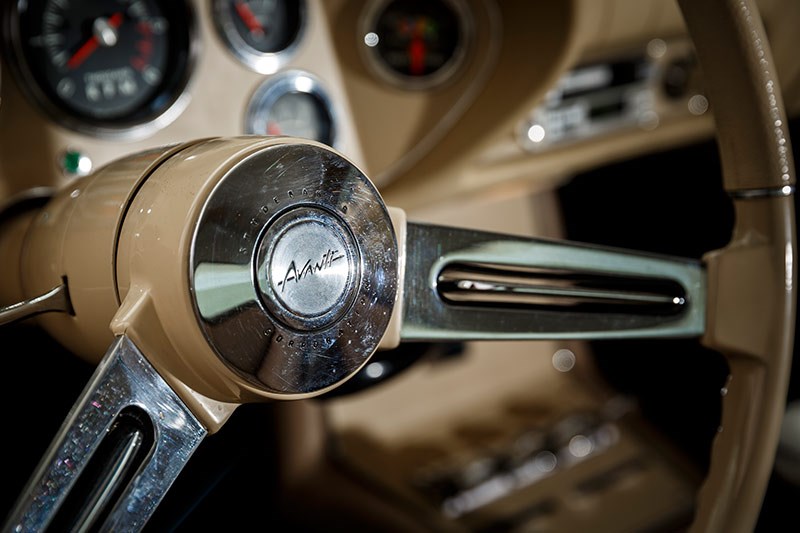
x=12 y=240
x=752 y=282
x=751 y=305
x=306 y=474
x=391 y=338
x=153 y=274
x=541 y=36
x=121 y=238
x=74 y=238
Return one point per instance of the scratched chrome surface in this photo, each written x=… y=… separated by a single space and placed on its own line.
x=305 y=204
x=124 y=378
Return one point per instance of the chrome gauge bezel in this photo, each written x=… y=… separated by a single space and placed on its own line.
x=129 y=130
x=445 y=74
x=272 y=89
x=261 y=62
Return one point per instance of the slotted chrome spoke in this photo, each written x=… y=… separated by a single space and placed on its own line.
x=465 y=284
x=123 y=444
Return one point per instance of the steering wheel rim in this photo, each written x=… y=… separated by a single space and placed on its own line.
x=753 y=328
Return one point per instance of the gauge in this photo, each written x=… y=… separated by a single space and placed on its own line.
x=260 y=33
x=416 y=43
x=293 y=104
x=102 y=66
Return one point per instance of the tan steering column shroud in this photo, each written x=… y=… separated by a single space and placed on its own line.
x=73 y=239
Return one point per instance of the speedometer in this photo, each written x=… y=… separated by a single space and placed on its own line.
x=103 y=66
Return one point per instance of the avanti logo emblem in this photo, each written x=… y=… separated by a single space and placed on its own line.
x=309 y=268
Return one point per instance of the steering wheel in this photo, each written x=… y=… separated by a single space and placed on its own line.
x=251 y=269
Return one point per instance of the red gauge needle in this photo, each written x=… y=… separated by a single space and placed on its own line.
x=273 y=128
x=416 y=56
x=249 y=19
x=91 y=45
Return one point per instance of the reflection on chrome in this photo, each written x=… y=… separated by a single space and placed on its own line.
x=138 y=477
x=220 y=288
x=467 y=284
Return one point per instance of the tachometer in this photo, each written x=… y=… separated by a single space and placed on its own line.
x=103 y=66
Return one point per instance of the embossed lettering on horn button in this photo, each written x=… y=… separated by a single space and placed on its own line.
x=307 y=267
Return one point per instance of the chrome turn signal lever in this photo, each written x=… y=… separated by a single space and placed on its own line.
x=250 y=269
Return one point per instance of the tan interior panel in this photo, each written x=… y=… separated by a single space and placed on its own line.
x=179 y=238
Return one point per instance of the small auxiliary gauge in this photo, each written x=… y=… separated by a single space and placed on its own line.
x=260 y=33
x=294 y=104
x=416 y=44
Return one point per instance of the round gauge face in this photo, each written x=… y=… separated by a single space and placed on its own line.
x=299 y=115
x=293 y=104
x=417 y=41
x=113 y=63
x=256 y=30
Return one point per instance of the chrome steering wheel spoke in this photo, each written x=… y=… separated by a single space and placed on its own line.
x=123 y=444
x=469 y=285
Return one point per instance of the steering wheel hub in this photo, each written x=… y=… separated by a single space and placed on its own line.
x=293 y=269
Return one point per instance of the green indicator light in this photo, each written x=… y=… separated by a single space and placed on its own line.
x=76 y=163
x=71 y=161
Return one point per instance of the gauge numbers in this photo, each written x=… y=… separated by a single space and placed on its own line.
x=103 y=64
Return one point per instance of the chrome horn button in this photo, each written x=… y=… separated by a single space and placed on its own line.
x=294 y=268
x=307 y=267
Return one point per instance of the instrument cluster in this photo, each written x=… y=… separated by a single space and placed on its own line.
x=123 y=68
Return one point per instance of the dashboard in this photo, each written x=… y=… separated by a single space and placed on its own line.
x=464 y=112
x=99 y=81
x=408 y=90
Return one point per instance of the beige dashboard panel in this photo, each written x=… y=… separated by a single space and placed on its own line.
x=539 y=41
x=420 y=146
x=498 y=163
x=398 y=123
